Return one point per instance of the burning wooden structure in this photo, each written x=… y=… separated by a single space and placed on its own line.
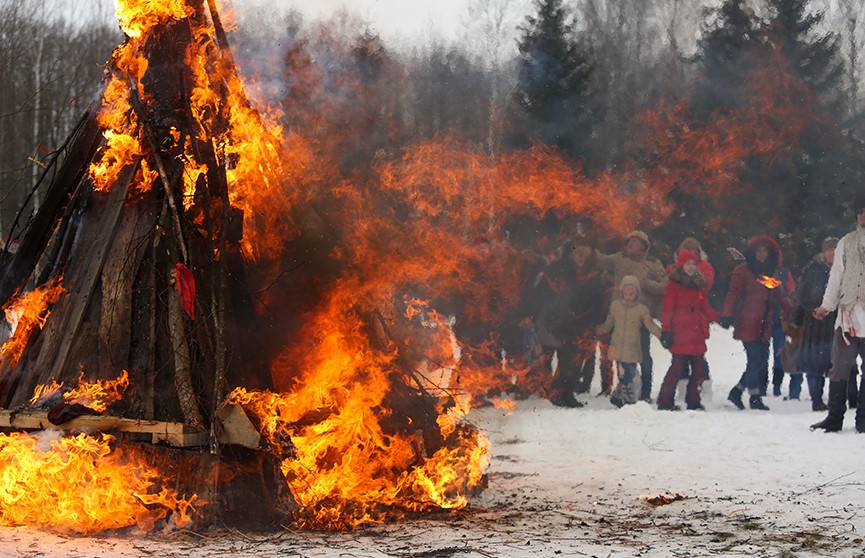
x=133 y=265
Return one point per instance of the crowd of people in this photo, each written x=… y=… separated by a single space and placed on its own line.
x=813 y=322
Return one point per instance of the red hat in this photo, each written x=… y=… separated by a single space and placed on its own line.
x=684 y=256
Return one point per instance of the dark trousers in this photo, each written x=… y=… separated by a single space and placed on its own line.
x=757 y=356
x=646 y=365
x=678 y=367
x=845 y=349
x=779 y=339
x=606 y=369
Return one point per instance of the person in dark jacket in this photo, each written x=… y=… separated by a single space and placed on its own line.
x=815 y=336
x=684 y=329
x=748 y=307
x=571 y=320
x=587 y=307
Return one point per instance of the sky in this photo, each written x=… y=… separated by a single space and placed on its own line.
x=392 y=18
x=395 y=20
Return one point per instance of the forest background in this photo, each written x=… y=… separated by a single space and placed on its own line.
x=757 y=102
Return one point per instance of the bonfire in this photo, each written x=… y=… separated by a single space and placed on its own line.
x=143 y=384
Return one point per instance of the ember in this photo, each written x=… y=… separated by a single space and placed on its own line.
x=660 y=499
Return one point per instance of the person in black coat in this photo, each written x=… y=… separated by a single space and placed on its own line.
x=815 y=344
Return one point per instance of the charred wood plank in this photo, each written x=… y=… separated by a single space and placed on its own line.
x=82 y=148
x=118 y=275
x=38 y=420
x=61 y=332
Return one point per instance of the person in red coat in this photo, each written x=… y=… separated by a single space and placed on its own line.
x=755 y=289
x=685 y=318
x=705 y=269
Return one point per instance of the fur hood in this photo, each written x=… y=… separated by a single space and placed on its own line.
x=771 y=265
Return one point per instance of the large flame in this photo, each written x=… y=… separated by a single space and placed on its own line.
x=28 y=312
x=346 y=463
x=79 y=484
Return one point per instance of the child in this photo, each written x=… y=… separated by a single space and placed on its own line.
x=625 y=319
x=685 y=324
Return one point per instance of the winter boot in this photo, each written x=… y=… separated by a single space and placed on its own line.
x=837 y=407
x=735 y=398
x=756 y=403
x=815 y=389
x=860 y=410
x=852 y=393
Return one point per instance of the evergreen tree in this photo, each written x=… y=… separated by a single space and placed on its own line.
x=730 y=44
x=783 y=70
x=553 y=79
x=809 y=56
x=814 y=59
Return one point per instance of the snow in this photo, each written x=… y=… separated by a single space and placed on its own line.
x=574 y=482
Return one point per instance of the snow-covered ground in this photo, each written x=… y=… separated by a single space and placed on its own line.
x=575 y=482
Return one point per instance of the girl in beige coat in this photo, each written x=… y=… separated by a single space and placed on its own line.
x=625 y=319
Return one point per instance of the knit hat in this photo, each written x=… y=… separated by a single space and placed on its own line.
x=638 y=234
x=829 y=243
x=685 y=256
x=630 y=281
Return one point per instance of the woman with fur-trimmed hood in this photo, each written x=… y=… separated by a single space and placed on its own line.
x=755 y=287
x=685 y=328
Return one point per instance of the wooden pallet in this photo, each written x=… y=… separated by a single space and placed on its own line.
x=174 y=434
x=235 y=428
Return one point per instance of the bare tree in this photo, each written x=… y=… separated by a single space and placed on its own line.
x=852 y=12
x=51 y=56
x=491 y=33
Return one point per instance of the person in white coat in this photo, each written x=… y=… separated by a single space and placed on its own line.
x=845 y=292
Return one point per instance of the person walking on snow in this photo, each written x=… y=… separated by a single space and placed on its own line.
x=845 y=292
x=684 y=330
x=748 y=307
x=626 y=319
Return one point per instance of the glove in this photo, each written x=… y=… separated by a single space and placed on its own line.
x=666 y=339
x=726 y=322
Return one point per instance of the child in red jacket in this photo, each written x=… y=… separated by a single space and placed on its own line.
x=684 y=330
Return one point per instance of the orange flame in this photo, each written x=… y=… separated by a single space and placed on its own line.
x=505 y=404
x=98 y=395
x=28 y=312
x=769 y=282
x=79 y=484
x=348 y=464
x=137 y=17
